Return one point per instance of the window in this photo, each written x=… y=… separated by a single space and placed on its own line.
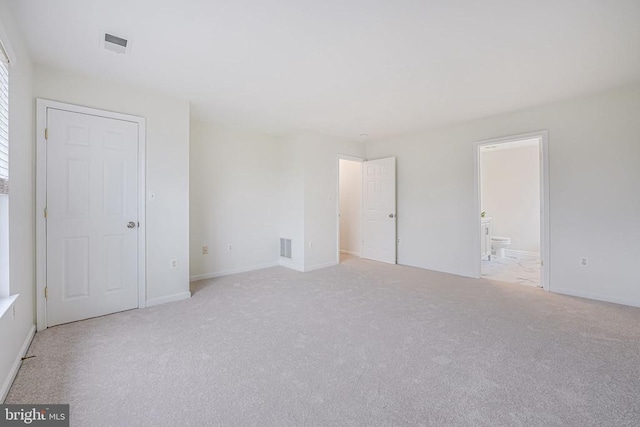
x=4 y=121
x=4 y=175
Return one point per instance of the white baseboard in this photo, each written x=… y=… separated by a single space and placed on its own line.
x=287 y=263
x=169 y=298
x=514 y=253
x=319 y=266
x=597 y=297
x=350 y=253
x=16 y=365
x=291 y=265
x=197 y=277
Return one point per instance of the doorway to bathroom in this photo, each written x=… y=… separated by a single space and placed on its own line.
x=512 y=183
x=349 y=207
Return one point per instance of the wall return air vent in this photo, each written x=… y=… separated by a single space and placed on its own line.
x=115 y=44
x=285 y=248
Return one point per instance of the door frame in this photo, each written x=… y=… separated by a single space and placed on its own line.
x=543 y=135
x=395 y=213
x=41 y=196
x=351 y=159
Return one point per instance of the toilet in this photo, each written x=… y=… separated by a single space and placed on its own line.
x=498 y=244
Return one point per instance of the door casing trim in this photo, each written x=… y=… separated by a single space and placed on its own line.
x=41 y=197
x=351 y=159
x=543 y=136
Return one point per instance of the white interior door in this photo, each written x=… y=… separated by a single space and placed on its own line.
x=379 y=210
x=92 y=216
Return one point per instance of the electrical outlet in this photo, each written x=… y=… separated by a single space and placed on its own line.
x=310 y=244
x=229 y=248
x=584 y=261
x=173 y=264
x=398 y=240
x=13 y=312
x=205 y=250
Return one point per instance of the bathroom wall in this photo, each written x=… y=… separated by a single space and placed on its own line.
x=350 y=206
x=510 y=194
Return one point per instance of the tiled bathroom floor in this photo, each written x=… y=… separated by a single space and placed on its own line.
x=524 y=270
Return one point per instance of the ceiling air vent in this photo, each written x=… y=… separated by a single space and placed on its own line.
x=115 y=44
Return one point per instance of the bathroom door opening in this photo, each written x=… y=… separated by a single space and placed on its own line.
x=512 y=209
x=349 y=207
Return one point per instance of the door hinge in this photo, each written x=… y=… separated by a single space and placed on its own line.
x=46 y=292
x=46 y=133
x=45 y=212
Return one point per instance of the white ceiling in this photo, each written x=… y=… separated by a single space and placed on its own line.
x=345 y=67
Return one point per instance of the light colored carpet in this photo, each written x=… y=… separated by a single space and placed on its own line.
x=361 y=343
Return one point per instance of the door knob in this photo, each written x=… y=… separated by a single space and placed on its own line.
x=131 y=224
x=390 y=215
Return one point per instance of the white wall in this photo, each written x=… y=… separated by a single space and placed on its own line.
x=167 y=168
x=250 y=189
x=234 y=200
x=350 y=206
x=14 y=331
x=594 y=153
x=510 y=189
x=4 y=246
x=292 y=201
x=321 y=196
x=309 y=197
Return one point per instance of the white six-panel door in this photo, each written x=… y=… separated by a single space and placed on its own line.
x=92 y=216
x=379 y=210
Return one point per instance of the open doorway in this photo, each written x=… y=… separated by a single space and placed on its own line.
x=512 y=180
x=349 y=207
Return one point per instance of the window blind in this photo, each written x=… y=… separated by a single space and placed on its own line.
x=4 y=121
